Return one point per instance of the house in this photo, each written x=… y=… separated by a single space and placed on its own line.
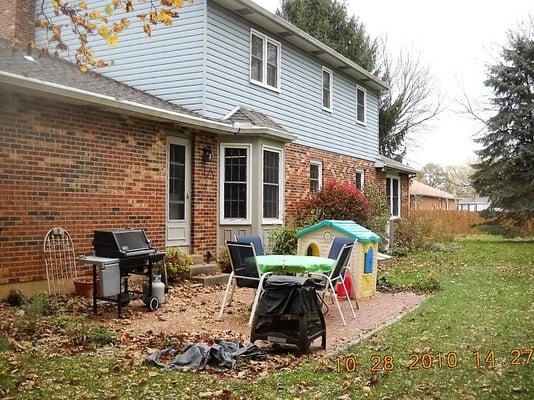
x=474 y=203
x=219 y=124
x=425 y=197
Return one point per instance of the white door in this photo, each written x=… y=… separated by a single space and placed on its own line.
x=178 y=192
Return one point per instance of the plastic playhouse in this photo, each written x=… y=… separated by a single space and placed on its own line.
x=316 y=240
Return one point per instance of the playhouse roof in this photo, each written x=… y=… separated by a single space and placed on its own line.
x=349 y=228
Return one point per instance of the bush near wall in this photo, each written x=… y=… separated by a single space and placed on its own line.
x=419 y=232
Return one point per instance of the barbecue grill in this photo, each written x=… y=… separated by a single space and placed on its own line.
x=119 y=254
x=289 y=312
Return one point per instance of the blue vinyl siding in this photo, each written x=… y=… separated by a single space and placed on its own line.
x=169 y=65
x=298 y=107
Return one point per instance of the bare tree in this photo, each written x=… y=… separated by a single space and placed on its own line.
x=412 y=101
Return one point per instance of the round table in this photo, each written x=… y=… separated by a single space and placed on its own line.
x=294 y=264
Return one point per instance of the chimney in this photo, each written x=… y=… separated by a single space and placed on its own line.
x=17 y=19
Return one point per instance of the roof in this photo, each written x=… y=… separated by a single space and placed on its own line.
x=475 y=200
x=348 y=228
x=389 y=163
x=261 y=17
x=243 y=117
x=420 y=189
x=56 y=70
x=52 y=75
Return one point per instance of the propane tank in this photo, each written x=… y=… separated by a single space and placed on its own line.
x=158 y=289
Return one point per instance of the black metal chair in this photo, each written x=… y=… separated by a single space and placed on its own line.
x=254 y=239
x=245 y=272
x=337 y=275
x=337 y=245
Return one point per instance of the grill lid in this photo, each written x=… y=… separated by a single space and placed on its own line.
x=121 y=243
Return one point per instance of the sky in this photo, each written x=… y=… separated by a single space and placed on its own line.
x=457 y=40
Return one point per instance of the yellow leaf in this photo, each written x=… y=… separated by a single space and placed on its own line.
x=147 y=29
x=83 y=68
x=42 y=23
x=113 y=40
x=95 y=14
x=109 y=9
x=103 y=32
x=56 y=4
x=83 y=5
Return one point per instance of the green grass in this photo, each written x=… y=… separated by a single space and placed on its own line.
x=485 y=302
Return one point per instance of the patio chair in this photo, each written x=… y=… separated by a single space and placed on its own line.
x=245 y=273
x=337 y=275
x=337 y=245
x=254 y=239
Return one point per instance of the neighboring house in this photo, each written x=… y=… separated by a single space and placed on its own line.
x=220 y=124
x=425 y=197
x=474 y=204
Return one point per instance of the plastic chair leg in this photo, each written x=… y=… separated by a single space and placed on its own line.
x=226 y=292
x=348 y=298
x=337 y=302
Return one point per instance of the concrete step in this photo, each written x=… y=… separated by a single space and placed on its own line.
x=212 y=280
x=197 y=258
x=204 y=269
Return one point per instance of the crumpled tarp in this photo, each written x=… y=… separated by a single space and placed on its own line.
x=221 y=354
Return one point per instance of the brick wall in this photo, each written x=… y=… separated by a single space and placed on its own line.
x=83 y=169
x=17 y=19
x=335 y=167
x=204 y=196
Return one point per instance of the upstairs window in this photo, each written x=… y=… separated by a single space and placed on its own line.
x=361 y=105
x=359 y=179
x=327 y=89
x=316 y=176
x=264 y=61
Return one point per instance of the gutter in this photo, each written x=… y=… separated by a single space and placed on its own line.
x=133 y=107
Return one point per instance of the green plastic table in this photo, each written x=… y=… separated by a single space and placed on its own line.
x=294 y=264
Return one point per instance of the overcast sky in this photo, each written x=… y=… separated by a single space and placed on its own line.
x=457 y=39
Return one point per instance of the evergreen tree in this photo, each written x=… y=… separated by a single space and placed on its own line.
x=329 y=22
x=506 y=170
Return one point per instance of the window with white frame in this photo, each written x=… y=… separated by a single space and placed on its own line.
x=235 y=196
x=360 y=177
x=264 y=60
x=327 y=89
x=316 y=176
x=361 y=104
x=271 y=184
x=393 y=195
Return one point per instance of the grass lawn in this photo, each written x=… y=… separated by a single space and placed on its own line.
x=485 y=304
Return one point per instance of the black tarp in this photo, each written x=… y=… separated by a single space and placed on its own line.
x=221 y=355
x=287 y=295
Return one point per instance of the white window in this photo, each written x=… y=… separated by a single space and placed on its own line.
x=361 y=105
x=327 y=89
x=393 y=194
x=316 y=176
x=360 y=178
x=272 y=185
x=235 y=183
x=264 y=60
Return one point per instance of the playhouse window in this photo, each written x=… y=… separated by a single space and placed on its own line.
x=313 y=250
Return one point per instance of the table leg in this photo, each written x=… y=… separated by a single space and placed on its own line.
x=94 y=288
x=119 y=297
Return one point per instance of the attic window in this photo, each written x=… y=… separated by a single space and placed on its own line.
x=264 y=61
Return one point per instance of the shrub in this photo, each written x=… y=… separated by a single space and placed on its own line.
x=336 y=200
x=177 y=264
x=419 y=232
x=223 y=259
x=284 y=240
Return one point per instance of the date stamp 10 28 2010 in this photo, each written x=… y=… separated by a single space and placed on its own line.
x=439 y=360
